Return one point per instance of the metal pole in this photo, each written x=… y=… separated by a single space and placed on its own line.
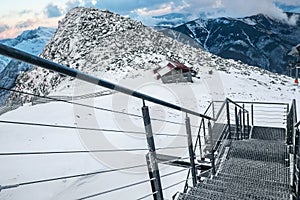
x=191 y=151
x=244 y=121
x=298 y=165
x=213 y=109
x=228 y=119
x=200 y=146
x=236 y=123
x=252 y=114
x=248 y=125
x=153 y=166
x=150 y=173
x=212 y=149
x=241 y=124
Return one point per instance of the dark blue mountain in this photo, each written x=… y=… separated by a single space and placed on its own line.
x=257 y=40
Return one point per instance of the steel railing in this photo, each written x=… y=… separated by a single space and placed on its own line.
x=220 y=122
x=152 y=158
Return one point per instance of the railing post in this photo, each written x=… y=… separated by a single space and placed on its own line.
x=228 y=119
x=252 y=114
x=248 y=125
x=152 y=159
x=191 y=151
x=236 y=123
x=244 y=122
x=297 y=166
x=212 y=149
x=213 y=109
x=200 y=147
x=241 y=124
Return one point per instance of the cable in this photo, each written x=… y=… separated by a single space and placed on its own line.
x=79 y=151
x=71 y=102
x=173 y=185
x=84 y=128
x=88 y=106
x=176 y=172
x=148 y=195
x=68 y=177
x=116 y=189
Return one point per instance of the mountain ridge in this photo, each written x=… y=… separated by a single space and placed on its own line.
x=257 y=40
x=31 y=41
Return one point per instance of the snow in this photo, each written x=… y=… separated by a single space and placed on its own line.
x=219 y=78
x=250 y=85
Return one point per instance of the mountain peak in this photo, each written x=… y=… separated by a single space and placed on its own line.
x=109 y=46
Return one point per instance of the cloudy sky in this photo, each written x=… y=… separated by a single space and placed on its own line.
x=19 y=15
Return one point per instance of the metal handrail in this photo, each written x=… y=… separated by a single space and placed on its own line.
x=47 y=64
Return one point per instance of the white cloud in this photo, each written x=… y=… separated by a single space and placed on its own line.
x=163 y=9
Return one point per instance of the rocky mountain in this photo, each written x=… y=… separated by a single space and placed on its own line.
x=31 y=41
x=257 y=40
x=103 y=43
x=111 y=47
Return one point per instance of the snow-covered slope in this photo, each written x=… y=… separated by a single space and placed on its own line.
x=31 y=41
x=257 y=40
x=123 y=51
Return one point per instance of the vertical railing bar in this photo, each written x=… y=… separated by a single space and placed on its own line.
x=190 y=148
x=212 y=158
x=244 y=121
x=151 y=156
x=204 y=133
x=252 y=114
x=236 y=123
x=240 y=124
x=228 y=119
x=248 y=125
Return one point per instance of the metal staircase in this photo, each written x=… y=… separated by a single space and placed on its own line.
x=257 y=168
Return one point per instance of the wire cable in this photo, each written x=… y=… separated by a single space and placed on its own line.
x=115 y=189
x=173 y=185
x=85 y=128
x=176 y=172
x=88 y=106
x=81 y=151
x=68 y=177
x=71 y=102
x=148 y=195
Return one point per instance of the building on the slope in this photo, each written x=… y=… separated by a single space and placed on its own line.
x=173 y=72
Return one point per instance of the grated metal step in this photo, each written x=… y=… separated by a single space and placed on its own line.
x=257 y=168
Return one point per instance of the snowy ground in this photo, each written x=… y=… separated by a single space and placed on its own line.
x=238 y=84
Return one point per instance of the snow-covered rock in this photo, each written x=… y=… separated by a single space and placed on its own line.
x=31 y=41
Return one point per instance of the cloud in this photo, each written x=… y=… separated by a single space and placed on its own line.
x=3 y=28
x=52 y=11
x=239 y=8
x=25 y=24
x=288 y=2
x=163 y=9
x=126 y=6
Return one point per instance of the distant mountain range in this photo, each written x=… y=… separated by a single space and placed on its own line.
x=31 y=41
x=258 y=40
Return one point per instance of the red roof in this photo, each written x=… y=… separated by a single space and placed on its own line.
x=177 y=65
